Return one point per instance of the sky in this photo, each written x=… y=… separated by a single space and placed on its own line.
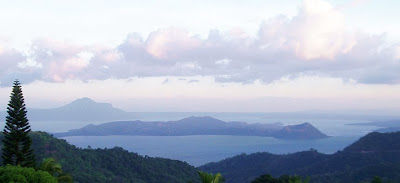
x=204 y=56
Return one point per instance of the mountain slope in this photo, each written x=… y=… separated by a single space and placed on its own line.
x=83 y=109
x=301 y=131
x=358 y=162
x=376 y=142
x=245 y=168
x=109 y=165
x=197 y=126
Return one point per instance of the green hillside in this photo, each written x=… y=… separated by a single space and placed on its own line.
x=110 y=165
x=375 y=154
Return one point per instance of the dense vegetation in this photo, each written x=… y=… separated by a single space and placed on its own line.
x=266 y=178
x=282 y=179
x=210 y=178
x=376 y=154
x=11 y=173
x=109 y=165
x=17 y=143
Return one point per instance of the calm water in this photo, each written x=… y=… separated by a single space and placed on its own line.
x=200 y=149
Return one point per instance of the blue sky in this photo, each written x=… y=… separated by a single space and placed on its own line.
x=287 y=55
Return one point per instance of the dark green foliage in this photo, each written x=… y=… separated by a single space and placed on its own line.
x=54 y=169
x=51 y=166
x=245 y=168
x=110 y=165
x=210 y=178
x=388 y=171
x=19 y=174
x=376 y=180
x=282 y=179
x=375 y=141
x=17 y=144
x=375 y=154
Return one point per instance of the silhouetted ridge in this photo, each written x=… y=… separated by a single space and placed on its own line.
x=376 y=154
x=376 y=142
x=84 y=100
x=197 y=126
x=200 y=121
x=84 y=109
x=300 y=131
x=89 y=104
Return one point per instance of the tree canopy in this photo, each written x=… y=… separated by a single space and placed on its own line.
x=17 y=143
x=20 y=174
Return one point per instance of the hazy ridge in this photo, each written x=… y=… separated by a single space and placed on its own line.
x=198 y=126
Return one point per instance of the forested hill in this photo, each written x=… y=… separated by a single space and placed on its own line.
x=376 y=154
x=376 y=142
x=109 y=165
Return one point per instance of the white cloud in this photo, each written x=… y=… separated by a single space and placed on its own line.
x=317 y=32
x=29 y=63
x=396 y=53
x=315 y=42
x=223 y=62
x=168 y=43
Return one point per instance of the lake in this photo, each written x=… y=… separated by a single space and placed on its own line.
x=200 y=149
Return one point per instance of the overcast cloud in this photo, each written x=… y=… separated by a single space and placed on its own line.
x=315 y=42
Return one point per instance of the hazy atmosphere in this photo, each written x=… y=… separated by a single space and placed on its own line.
x=206 y=91
x=225 y=56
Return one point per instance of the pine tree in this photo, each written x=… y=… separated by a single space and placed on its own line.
x=17 y=143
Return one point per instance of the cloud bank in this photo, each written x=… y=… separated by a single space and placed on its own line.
x=314 y=42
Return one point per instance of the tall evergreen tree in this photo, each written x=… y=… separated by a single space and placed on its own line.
x=17 y=143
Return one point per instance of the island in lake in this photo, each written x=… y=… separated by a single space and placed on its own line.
x=197 y=126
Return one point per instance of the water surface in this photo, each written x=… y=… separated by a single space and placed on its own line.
x=200 y=149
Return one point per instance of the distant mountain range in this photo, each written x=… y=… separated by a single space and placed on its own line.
x=376 y=154
x=390 y=123
x=387 y=126
x=197 y=126
x=85 y=109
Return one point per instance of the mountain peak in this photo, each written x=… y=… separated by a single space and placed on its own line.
x=82 y=109
x=306 y=124
x=85 y=100
x=202 y=120
x=85 y=105
x=199 y=118
x=300 y=131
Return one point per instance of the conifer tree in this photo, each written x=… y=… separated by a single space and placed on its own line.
x=17 y=143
